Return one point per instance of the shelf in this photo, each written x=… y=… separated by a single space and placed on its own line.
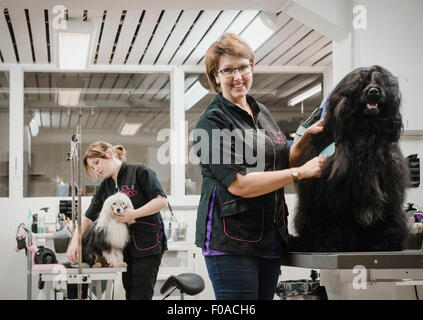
x=49 y=235
x=179 y=245
x=412 y=133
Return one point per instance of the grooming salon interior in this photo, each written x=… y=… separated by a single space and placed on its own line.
x=133 y=73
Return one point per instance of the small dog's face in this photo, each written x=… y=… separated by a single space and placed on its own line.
x=118 y=203
x=118 y=206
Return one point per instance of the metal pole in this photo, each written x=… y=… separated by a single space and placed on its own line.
x=75 y=157
x=73 y=187
x=79 y=178
x=29 y=264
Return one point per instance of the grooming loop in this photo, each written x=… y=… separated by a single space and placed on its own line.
x=74 y=156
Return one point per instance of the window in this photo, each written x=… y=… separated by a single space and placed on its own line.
x=121 y=108
x=4 y=134
x=274 y=90
x=197 y=97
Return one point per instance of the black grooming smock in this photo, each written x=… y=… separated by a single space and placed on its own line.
x=239 y=225
x=141 y=185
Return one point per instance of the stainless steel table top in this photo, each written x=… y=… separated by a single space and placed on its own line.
x=406 y=259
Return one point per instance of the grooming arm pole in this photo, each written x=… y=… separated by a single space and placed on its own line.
x=75 y=157
x=79 y=178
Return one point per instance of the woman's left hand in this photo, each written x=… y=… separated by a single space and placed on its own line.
x=315 y=128
x=125 y=217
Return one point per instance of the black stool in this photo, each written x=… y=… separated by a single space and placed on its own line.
x=189 y=283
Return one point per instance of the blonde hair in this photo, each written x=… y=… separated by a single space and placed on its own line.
x=231 y=44
x=98 y=150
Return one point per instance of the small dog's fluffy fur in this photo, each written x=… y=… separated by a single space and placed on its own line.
x=356 y=205
x=103 y=243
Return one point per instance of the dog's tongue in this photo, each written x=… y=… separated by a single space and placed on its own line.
x=372 y=106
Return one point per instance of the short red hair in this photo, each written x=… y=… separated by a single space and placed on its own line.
x=231 y=44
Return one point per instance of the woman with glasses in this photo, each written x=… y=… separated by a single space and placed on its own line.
x=245 y=162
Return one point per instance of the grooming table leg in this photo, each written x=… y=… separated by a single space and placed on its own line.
x=98 y=289
x=109 y=286
x=47 y=289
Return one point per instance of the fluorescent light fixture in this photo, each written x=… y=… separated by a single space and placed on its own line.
x=194 y=94
x=69 y=97
x=305 y=95
x=73 y=50
x=258 y=31
x=73 y=43
x=130 y=128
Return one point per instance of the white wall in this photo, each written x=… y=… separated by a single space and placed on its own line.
x=393 y=37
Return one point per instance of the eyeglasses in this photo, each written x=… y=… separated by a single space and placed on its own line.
x=229 y=72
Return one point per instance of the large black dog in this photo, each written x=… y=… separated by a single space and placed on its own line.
x=356 y=205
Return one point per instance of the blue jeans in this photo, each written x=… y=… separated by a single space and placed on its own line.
x=242 y=277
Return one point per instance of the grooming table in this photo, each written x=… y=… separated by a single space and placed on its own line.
x=366 y=275
x=57 y=277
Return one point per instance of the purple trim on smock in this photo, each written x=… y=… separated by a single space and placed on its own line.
x=274 y=253
x=207 y=251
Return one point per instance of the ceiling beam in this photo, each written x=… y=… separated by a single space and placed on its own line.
x=268 y=5
x=332 y=18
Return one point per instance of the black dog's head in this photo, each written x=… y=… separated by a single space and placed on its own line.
x=366 y=101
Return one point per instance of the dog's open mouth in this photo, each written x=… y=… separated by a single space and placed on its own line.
x=372 y=106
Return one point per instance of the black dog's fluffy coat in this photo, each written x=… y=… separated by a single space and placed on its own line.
x=93 y=246
x=356 y=205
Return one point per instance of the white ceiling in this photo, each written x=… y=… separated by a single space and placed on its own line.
x=161 y=37
x=151 y=37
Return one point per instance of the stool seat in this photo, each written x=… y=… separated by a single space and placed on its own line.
x=189 y=283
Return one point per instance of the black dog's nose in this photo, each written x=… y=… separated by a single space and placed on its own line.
x=373 y=92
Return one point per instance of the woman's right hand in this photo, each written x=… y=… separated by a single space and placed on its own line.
x=312 y=168
x=72 y=252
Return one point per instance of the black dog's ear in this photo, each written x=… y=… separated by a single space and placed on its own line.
x=335 y=113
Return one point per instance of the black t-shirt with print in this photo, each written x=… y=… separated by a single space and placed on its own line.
x=141 y=185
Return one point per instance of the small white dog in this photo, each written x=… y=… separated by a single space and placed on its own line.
x=103 y=243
